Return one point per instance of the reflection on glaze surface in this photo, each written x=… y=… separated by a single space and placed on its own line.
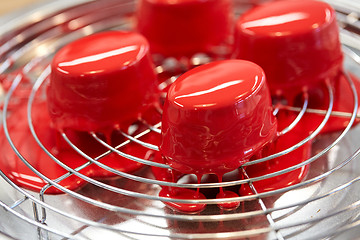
x=184 y=27
x=343 y=102
x=297 y=156
x=218 y=84
x=295 y=42
x=214 y=121
x=23 y=140
x=286 y=18
x=83 y=64
x=177 y=193
x=101 y=82
x=284 y=118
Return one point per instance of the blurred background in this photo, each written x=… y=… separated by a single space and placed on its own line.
x=8 y=6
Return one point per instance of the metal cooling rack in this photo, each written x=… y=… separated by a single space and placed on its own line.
x=326 y=205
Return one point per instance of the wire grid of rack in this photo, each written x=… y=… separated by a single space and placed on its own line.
x=324 y=206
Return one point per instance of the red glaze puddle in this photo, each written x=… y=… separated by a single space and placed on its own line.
x=169 y=175
x=295 y=157
x=21 y=92
x=227 y=205
x=343 y=102
x=280 y=163
x=176 y=193
x=20 y=134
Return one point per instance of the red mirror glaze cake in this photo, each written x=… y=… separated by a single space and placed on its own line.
x=295 y=42
x=101 y=82
x=184 y=27
x=216 y=117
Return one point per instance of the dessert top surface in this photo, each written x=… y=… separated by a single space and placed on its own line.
x=103 y=52
x=287 y=17
x=217 y=84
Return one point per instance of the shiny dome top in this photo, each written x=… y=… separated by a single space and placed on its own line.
x=287 y=17
x=100 y=53
x=216 y=84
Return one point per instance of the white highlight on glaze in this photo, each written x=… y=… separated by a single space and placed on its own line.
x=219 y=87
x=99 y=56
x=276 y=20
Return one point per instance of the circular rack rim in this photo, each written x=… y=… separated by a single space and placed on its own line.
x=20 y=52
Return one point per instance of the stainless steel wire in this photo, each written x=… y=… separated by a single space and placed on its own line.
x=13 y=52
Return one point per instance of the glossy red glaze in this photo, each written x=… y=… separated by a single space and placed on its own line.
x=184 y=27
x=21 y=92
x=300 y=132
x=216 y=117
x=295 y=42
x=301 y=154
x=228 y=205
x=183 y=194
x=343 y=102
x=20 y=134
x=170 y=175
x=101 y=82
